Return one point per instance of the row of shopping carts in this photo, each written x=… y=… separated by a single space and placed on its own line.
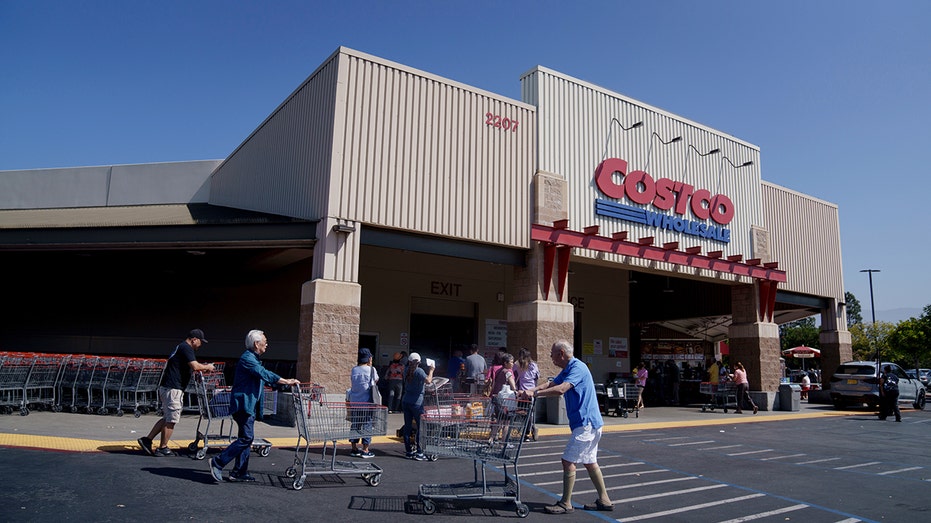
x=77 y=382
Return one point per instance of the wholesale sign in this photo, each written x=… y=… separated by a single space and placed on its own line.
x=676 y=206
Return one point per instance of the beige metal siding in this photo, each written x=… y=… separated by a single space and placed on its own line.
x=284 y=166
x=577 y=130
x=805 y=240
x=413 y=152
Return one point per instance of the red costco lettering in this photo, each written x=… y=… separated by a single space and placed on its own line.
x=665 y=194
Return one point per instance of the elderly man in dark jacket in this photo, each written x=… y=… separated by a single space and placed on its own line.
x=245 y=404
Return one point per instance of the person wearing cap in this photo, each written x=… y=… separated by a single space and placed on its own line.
x=415 y=379
x=363 y=377
x=246 y=405
x=181 y=363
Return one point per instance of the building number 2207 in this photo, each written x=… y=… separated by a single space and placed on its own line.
x=496 y=120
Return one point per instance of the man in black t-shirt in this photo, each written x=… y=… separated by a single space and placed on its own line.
x=889 y=394
x=180 y=364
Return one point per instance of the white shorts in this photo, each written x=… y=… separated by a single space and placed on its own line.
x=583 y=445
x=171 y=404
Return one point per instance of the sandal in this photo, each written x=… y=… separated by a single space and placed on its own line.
x=599 y=505
x=559 y=508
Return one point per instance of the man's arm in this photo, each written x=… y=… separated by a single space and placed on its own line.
x=200 y=367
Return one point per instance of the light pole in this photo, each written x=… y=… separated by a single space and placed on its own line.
x=873 y=312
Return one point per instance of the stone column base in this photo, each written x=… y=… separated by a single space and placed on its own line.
x=328 y=343
x=537 y=325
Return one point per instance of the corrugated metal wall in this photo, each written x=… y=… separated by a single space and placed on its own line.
x=805 y=240
x=284 y=166
x=414 y=152
x=581 y=124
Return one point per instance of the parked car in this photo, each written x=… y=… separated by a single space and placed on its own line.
x=857 y=382
x=922 y=375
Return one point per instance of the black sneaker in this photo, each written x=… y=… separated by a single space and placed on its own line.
x=418 y=456
x=244 y=478
x=146 y=445
x=161 y=452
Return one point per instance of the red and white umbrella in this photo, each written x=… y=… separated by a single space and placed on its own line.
x=802 y=351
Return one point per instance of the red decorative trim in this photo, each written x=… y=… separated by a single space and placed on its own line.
x=670 y=246
x=563 y=253
x=549 y=257
x=646 y=240
x=592 y=229
x=693 y=250
x=619 y=236
x=644 y=249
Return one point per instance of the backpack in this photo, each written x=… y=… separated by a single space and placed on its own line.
x=890 y=383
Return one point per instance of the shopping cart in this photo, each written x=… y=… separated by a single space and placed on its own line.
x=14 y=372
x=494 y=438
x=213 y=402
x=40 y=389
x=723 y=395
x=440 y=399
x=96 y=395
x=139 y=392
x=324 y=422
x=623 y=397
x=111 y=397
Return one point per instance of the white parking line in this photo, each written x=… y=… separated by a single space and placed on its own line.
x=766 y=514
x=850 y=520
x=691 y=443
x=858 y=465
x=638 y=473
x=751 y=452
x=816 y=461
x=667 y=439
x=559 y=470
x=722 y=447
x=897 y=471
x=782 y=457
x=643 y=484
x=692 y=507
x=675 y=492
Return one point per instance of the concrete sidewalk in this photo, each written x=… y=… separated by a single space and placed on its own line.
x=95 y=433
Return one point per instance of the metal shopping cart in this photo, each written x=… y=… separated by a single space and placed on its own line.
x=213 y=403
x=494 y=438
x=440 y=399
x=723 y=396
x=14 y=372
x=623 y=397
x=41 y=385
x=139 y=392
x=324 y=422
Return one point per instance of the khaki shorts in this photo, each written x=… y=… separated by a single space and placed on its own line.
x=171 y=404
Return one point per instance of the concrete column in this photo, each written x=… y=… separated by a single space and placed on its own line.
x=537 y=325
x=328 y=342
x=753 y=342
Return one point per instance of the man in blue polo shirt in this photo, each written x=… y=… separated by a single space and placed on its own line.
x=577 y=387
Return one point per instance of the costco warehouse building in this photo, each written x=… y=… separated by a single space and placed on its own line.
x=386 y=207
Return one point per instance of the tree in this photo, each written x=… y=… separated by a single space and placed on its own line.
x=801 y=332
x=867 y=337
x=853 y=309
x=908 y=345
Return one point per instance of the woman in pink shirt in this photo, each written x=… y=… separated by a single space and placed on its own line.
x=642 y=375
x=743 y=388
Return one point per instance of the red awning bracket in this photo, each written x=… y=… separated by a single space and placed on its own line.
x=643 y=248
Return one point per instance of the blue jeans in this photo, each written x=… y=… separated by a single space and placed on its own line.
x=363 y=424
x=239 y=449
x=411 y=414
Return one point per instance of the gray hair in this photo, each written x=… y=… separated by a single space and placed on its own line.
x=253 y=336
x=563 y=346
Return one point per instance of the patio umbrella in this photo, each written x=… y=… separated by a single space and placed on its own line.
x=802 y=352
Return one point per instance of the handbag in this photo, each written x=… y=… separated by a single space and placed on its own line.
x=376 y=394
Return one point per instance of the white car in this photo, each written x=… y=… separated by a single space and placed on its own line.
x=857 y=382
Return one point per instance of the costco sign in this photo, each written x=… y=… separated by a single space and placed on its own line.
x=684 y=200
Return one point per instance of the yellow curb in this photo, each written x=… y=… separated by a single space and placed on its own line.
x=89 y=445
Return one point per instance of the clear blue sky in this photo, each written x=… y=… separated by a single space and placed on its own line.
x=837 y=94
